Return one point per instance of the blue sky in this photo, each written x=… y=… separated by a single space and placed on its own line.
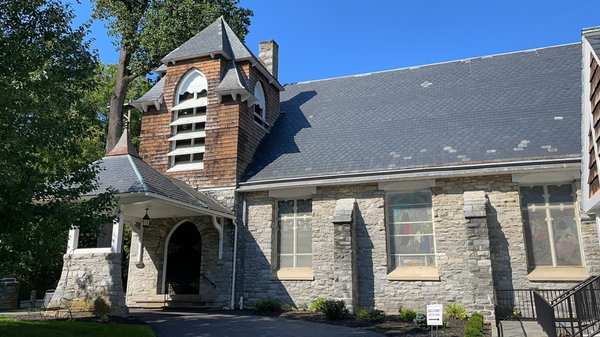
x=322 y=39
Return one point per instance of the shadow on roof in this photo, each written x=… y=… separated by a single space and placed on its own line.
x=281 y=140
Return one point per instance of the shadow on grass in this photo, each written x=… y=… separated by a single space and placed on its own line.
x=56 y=328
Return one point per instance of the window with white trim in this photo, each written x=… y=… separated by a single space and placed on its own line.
x=410 y=229
x=551 y=225
x=294 y=233
x=260 y=106
x=188 y=125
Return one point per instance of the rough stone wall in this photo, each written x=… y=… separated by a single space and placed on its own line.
x=9 y=293
x=461 y=247
x=144 y=285
x=89 y=280
x=343 y=269
x=480 y=265
x=225 y=197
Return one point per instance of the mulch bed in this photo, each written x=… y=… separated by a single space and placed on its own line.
x=392 y=326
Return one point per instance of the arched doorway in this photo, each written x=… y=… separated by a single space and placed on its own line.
x=184 y=256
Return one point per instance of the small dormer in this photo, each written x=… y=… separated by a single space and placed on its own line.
x=215 y=101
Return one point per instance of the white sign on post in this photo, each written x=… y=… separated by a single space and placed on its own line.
x=435 y=314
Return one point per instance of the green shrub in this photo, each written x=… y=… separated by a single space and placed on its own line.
x=268 y=306
x=421 y=319
x=317 y=305
x=473 y=332
x=101 y=308
x=371 y=315
x=407 y=315
x=456 y=311
x=335 y=310
x=474 y=326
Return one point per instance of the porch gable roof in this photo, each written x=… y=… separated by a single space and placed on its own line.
x=127 y=174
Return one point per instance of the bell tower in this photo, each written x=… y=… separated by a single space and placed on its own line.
x=214 y=102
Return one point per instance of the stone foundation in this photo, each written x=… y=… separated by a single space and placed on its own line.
x=91 y=283
x=9 y=293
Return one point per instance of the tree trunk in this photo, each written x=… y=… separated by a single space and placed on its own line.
x=117 y=100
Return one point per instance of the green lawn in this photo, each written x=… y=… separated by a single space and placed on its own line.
x=17 y=328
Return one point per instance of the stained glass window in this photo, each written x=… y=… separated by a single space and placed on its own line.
x=294 y=220
x=551 y=229
x=410 y=229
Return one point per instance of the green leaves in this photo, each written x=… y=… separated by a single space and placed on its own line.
x=150 y=29
x=47 y=128
x=105 y=78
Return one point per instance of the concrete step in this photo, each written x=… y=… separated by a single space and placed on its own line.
x=522 y=329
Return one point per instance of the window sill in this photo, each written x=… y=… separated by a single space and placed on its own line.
x=414 y=274
x=558 y=274
x=258 y=120
x=186 y=167
x=293 y=274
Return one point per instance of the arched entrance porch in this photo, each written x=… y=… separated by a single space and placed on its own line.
x=183 y=259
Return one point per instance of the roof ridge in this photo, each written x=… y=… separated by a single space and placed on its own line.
x=225 y=43
x=137 y=173
x=433 y=64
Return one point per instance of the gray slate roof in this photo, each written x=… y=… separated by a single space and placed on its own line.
x=233 y=79
x=594 y=40
x=216 y=38
x=161 y=69
x=129 y=174
x=509 y=107
x=154 y=93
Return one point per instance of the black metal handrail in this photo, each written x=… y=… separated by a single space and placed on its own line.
x=577 y=313
x=545 y=315
x=519 y=304
x=208 y=280
x=571 y=291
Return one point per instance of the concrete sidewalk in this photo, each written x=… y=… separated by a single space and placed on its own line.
x=207 y=324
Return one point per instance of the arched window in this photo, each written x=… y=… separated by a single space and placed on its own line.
x=189 y=118
x=260 y=107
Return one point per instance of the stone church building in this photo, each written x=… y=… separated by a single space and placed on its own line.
x=438 y=183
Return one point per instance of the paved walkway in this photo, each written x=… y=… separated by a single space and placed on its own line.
x=207 y=324
x=522 y=329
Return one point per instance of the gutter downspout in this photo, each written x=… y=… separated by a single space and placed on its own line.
x=235 y=240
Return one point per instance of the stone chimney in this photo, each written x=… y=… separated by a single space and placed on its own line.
x=268 y=53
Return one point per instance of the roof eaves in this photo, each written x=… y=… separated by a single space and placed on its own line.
x=209 y=211
x=142 y=105
x=212 y=54
x=257 y=64
x=421 y=172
